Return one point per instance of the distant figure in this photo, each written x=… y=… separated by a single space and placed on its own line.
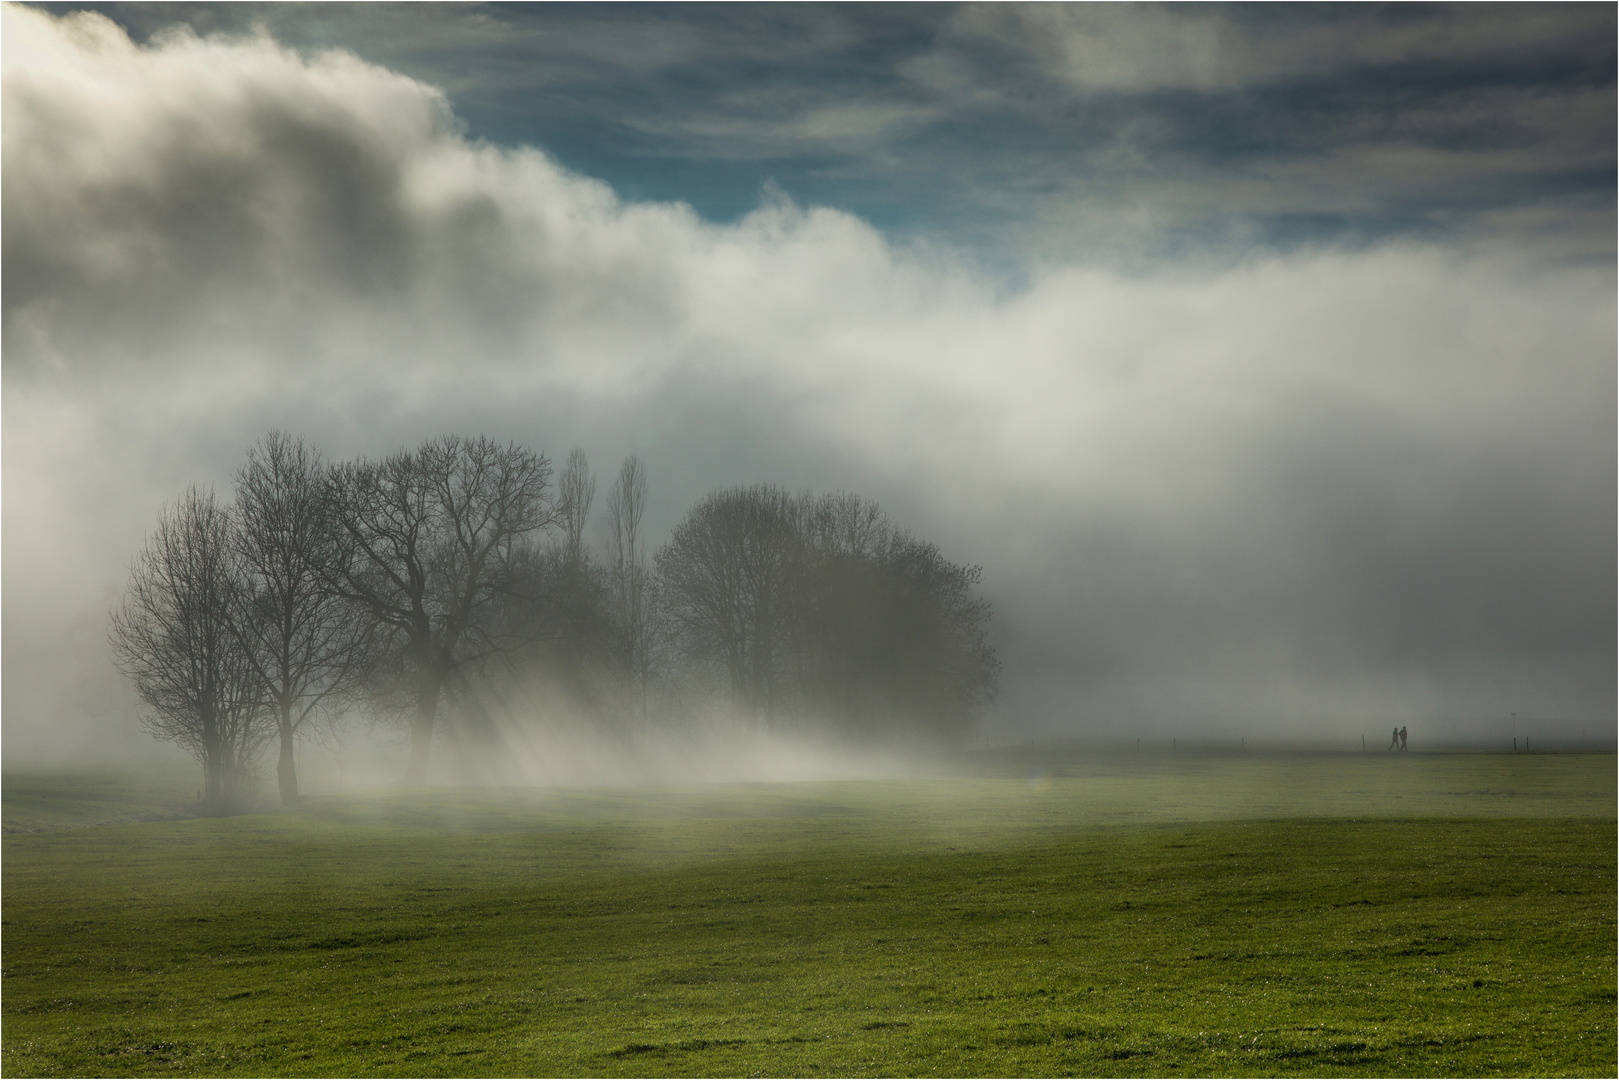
x=1402 y=740
x=1394 y=741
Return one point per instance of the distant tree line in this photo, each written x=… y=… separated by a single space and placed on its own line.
x=451 y=588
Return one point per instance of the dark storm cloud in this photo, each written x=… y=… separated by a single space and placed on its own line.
x=1369 y=479
x=1131 y=129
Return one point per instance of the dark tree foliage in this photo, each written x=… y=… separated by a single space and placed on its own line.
x=587 y=623
x=730 y=575
x=559 y=619
x=173 y=636
x=570 y=613
x=894 y=634
x=823 y=611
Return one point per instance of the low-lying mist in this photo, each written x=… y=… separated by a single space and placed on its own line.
x=571 y=754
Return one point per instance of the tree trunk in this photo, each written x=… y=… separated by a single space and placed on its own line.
x=213 y=763
x=421 y=728
x=229 y=779
x=286 y=769
x=211 y=785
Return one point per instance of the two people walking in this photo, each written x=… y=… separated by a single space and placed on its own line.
x=1398 y=741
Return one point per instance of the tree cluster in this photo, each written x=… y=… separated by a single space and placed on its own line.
x=823 y=611
x=451 y=589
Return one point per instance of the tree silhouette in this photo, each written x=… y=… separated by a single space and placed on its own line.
x=825 y=610
x=431 y=542
x=630 y=582
x=727 y=575
x=172 y=635
x=302 y=638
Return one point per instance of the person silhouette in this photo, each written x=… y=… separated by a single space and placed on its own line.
x=1403 y=746
x=1394 y=741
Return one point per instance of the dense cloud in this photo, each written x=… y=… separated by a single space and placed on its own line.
x=1300 y=487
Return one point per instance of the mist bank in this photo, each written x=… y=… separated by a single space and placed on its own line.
x=1373 y=480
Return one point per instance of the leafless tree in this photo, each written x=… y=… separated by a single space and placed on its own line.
x=630 y=580
x=576 y=490
x=304 y=640
x=172 y=636
x=431 y=542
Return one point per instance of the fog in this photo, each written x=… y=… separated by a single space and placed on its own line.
x=568 y=751
x=1299 y=490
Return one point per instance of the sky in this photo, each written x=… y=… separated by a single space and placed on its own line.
x=1263 y=357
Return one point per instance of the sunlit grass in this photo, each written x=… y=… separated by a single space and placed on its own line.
x=1312 y=915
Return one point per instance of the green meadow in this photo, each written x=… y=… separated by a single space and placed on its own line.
x=1330 y=914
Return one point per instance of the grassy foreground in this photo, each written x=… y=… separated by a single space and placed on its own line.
x=1330 y=915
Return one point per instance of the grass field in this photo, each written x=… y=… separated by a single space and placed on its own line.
x=1261 y=915
x=44 y=802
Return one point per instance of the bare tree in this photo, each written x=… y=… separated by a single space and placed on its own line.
x=303 y=639
x=626 y=505
x=431 y=542
x=576 y=490
x=172 y=635
x=630 y=582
